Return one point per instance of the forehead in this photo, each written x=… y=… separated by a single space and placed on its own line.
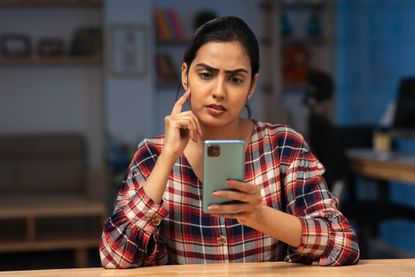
x=226 y=55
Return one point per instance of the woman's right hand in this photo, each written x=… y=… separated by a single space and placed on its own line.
x=180 y=127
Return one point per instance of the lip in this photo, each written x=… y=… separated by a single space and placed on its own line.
x=216 y=109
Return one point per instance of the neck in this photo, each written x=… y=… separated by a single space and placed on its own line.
x=232 y=130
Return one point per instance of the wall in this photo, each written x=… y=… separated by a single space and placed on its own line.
x=60 y=98
x=50 y=98
x=130 y=101
x=375 y=42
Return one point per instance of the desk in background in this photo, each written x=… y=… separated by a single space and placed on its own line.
x=386 y=166
x=382 y=168
x=367 y=268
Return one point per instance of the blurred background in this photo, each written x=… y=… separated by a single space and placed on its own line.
x=82 y=82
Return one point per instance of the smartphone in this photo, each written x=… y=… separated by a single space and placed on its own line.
x=222 y=160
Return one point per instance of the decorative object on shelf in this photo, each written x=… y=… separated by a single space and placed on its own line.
x=202 y=17
x=168 y=26
x=302 y=3
x=314 y=28
x=316 y=2
x=166 y=72
x=128 y=50
x=50 y=47
x=86 y=41
x=289 y=2
x=296 y=65
x=286 y=29
x=320 y=88
x=69 y=3
x=15 y=45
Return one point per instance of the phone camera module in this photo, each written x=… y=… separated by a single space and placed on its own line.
x=213 y=150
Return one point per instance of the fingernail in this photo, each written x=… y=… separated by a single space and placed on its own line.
x=216 y=193
x=212 y=207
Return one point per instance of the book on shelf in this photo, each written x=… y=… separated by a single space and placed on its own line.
x=168 y=25
x=175 y=23
x=166 y=71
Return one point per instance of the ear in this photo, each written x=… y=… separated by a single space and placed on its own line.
x=185 y=82
x=252 y=87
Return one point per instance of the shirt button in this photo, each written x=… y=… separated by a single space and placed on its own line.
x=221 y=239
x=156 y=221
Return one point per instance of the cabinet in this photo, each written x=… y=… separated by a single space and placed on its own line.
x=35 y=226
x=56 y=95
x=297 y=37
x=307 y=40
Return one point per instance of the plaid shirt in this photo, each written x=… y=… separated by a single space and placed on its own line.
x=177 y=231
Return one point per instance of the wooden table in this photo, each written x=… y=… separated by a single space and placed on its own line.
x=383 y=166
x=366 y=268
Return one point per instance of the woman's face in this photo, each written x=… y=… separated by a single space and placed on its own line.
x=220 y=82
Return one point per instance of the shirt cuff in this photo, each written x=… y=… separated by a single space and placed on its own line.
x=144 y=212
x=314 y=237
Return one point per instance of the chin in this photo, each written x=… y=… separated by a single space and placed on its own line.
x=211 y=121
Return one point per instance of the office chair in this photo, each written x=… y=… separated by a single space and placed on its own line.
x=323 y=138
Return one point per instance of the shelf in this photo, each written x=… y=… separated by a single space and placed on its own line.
x=50 y=209
x=58 y=60
x=51 y=243
x=295 y=87
x=303 y=5
x=172 y=43
x=42 y=3
x=172 y=86
x=303 y=41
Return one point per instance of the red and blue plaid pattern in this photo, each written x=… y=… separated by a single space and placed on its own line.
x=278 y=160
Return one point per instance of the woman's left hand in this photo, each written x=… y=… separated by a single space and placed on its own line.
x=248 y=212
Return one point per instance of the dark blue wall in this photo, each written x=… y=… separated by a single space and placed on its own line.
x=375 y=48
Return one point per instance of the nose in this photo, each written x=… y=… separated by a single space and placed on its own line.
x=220 y=89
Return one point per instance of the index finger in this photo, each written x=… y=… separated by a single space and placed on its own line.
x=177 y=108
x=241 y=186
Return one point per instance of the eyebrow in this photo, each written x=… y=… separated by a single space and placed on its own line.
x=238 y=70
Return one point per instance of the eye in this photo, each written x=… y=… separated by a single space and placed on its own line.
x=236 y=80
x=205 y=75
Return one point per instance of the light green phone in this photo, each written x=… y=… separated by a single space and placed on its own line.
x=222 y=160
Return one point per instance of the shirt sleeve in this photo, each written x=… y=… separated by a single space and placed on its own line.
x=130 y=237
x=327 y=237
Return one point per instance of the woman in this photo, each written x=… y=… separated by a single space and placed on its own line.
x=286 y=213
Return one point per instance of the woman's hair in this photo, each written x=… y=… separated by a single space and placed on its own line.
x=225 y=29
